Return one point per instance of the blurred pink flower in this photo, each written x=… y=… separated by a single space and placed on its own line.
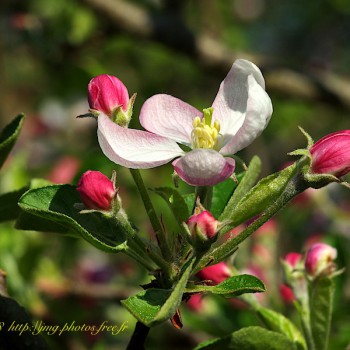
x=239 y=113
x=215 y=273
x=331 y=154
x=195 y=302
x=287 y=294
x=292 y=259
x=64 y=170
x=96 y=190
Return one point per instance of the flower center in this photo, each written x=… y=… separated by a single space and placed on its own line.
x=205 y=135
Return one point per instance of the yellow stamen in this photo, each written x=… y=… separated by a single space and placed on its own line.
x=205 y=135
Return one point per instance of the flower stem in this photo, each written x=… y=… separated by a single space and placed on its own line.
x=139 y=336
x=157 y=227
x=140 y=248
x=205 y=194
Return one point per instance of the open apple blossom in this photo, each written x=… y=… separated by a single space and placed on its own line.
x=239 y=113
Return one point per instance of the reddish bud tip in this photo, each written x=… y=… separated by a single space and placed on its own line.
x=106 y=93
x=292 y=259
x=331 y=154
x=96 y=190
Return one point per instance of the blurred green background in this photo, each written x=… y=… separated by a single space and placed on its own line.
x=50 y=49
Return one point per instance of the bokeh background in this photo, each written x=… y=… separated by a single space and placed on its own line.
x=50 y=49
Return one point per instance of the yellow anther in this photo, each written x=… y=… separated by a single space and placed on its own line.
x=205 y=135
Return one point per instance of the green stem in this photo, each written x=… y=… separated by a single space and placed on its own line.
x=138 y=337
x=140 y=248
x=205 y=194
x=294 y=187
x=306 y=322
x=146 y=264
x=157 y=227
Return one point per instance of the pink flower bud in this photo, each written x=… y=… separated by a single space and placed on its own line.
x=287 y=294
x=215 y=273
x=96 y=190
x=203 y=224
x=106 y=93
x=195 y=302
x=319 y=259
x=292 y=259
x=331 y=154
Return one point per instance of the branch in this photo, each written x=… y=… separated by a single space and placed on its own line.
x=169 y=29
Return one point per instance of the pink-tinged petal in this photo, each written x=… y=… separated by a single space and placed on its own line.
x=134 y=149
x=204 y=167
x=242 y=106
x=168 y=116
x=259 y=111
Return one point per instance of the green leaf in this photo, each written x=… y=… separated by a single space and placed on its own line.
x=9 y=209
x=175 y=201
x=154 y=306
x=262 y=195
x=222 y=193
x=249 y=338
x=247 y=182
x=231 y=287
x=8 y=137
x=56 y=204
x=321 y=307
x=278 y=323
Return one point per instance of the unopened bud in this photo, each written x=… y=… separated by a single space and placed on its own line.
x=107 y=94
x=319 y=260
x=96 y=190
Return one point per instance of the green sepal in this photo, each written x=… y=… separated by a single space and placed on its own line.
x=301 y=152
x=154 y=306
x=56 y=204
x=310 y=141
x=249 y=338
x=249 y=177
x=8 y=137
x=262 y=195
x=321 y=307
x=318 y=180
x=279 y=323
x=231 y=287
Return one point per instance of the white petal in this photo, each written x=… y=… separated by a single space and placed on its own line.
x=231 y=102
x=134 y=148
x=259 y=110
x=204 y=167
x=168 y=116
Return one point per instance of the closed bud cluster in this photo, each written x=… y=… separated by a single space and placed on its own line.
x=97 y=191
